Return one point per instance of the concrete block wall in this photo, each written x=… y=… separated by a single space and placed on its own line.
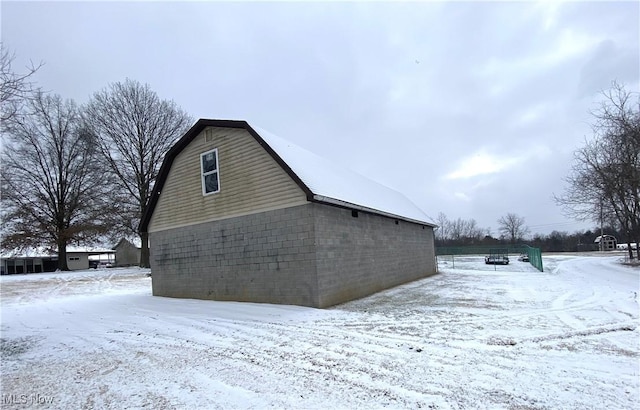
x=264 y=257
x=358 y=256
x=309 y=255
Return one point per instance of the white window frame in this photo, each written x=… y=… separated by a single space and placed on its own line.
x=215 y=171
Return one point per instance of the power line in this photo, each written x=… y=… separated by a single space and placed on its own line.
x=554 y=224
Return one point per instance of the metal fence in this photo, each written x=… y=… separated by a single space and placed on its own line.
x=534 y=254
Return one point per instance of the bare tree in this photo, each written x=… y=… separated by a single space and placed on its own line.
x=605 y=177
x=442 y=232
x=457 y=229
x=135 y=129
x=50 y=181
x=464 y=231
x=512 y=227
x=15 y=88
x=473 y=232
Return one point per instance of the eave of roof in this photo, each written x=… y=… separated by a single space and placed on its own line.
x=313 y=193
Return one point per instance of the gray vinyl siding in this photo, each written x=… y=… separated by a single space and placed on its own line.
x=250 y=181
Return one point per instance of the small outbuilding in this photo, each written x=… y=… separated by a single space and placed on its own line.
x=606 y=242
x=41 y=260
x=127 y=253
x=79 y=257
x=240 y=214
x=27 y=261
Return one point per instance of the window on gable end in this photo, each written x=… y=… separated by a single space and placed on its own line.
x=210 y=172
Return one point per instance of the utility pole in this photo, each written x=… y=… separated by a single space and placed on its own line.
x=601 y=227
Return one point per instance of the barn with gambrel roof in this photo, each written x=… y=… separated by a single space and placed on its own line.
x=240 y=214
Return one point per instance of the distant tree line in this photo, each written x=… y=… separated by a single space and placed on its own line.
x=79 y=173
x=580 y=241
x=513 y=231
x=466 y=232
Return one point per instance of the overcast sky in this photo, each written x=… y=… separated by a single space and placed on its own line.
x=472 y=109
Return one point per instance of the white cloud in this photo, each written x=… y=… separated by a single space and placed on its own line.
x=481 y=163
x=485 y=162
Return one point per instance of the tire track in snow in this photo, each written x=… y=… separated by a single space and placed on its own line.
x=591 y=331
x=303 y=349
x=578 y=325
x=285 y=351
x=560 y=309
x=327 y=358
x=427 y=322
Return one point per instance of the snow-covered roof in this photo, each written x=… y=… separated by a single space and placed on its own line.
x=39 y=252
x=605 y=237
x=322 y=180
x=42 y=252
x=329 y=182
x=136 y=242
x=88 y=249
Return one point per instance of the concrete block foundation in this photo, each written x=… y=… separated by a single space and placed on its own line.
x=313 y=255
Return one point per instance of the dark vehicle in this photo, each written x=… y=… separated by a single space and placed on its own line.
x=496 y=260
x=105 y=265
x=100 y=264
x=498 y=256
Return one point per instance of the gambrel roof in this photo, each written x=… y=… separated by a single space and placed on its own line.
x=322 y=180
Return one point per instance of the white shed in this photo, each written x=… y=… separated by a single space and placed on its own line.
x=606 y=242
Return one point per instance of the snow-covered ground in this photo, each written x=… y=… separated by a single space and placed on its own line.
x=476 y=336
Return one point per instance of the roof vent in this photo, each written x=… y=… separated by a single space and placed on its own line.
x=208 y=135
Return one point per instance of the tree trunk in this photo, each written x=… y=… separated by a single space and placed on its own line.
x=144 y=250
x=62 y=256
